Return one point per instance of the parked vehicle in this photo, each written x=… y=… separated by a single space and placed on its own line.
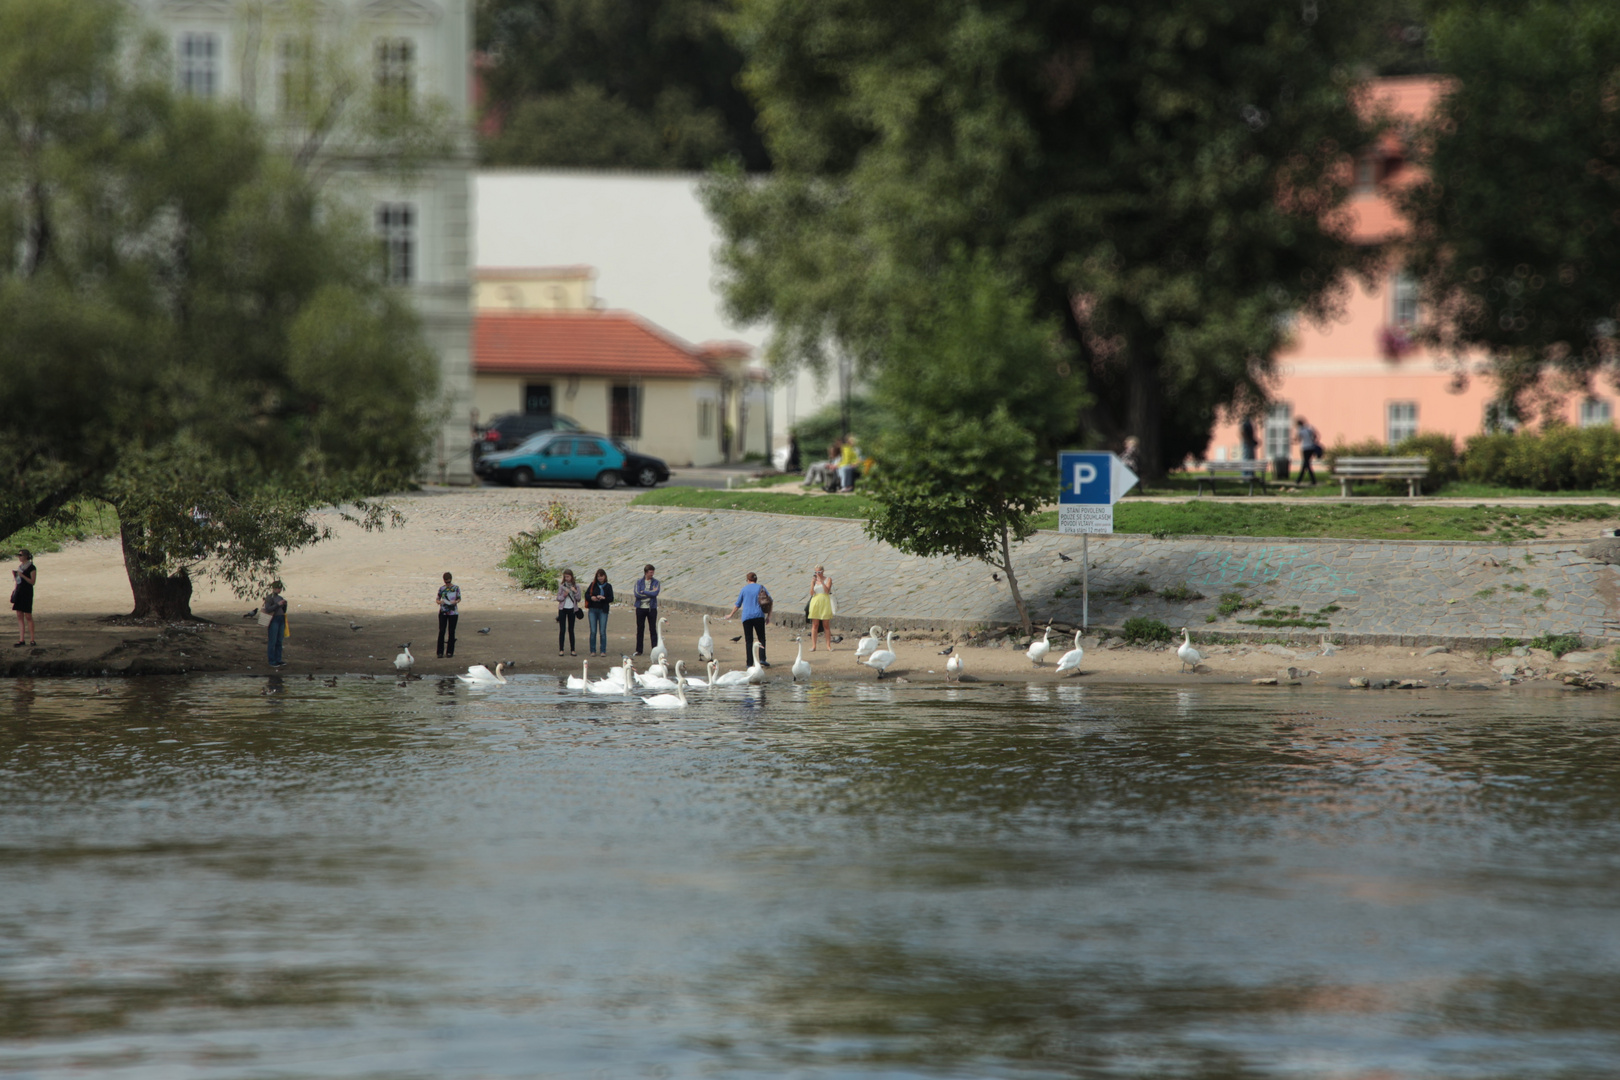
x=555 y=457
x=641 y=470
x=509 y=430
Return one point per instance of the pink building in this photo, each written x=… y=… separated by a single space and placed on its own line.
x=1361 y=377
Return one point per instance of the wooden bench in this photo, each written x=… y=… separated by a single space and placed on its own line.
x=1410 y=469
x=1252 y=471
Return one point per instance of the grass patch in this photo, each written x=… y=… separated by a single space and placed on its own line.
x=1231 y=603
x=1181 y=594
x=1557 y=644
x=1144 y=631
x=1134 y=589
x=854 y=505
x=87 y=518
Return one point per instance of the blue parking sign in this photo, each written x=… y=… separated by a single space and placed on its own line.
x=1089 y=484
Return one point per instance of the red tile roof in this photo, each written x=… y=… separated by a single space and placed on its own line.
x=605 y=343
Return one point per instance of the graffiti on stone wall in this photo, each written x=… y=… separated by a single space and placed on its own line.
x=1282 y=566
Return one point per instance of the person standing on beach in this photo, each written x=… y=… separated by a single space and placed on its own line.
x=22 y=596
x=275 y=606
x=821 y=608
x=449 y=600
x=569 y=608
x=646 y=593
x=598 y=598
x=752 y=602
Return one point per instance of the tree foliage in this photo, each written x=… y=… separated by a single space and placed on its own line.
x=1165 y=177
x=648 y=84
x=186 y=330
x=1516 y=233
x=981 y=394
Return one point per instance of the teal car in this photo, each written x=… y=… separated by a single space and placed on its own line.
x=556 y=457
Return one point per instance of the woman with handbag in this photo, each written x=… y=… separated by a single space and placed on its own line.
x=598 y=599
x=569 y=609
x=821 y=608
x=273 y=615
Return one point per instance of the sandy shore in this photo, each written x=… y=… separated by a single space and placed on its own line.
x=384 y=583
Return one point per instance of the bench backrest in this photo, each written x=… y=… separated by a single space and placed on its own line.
x=1387 y=466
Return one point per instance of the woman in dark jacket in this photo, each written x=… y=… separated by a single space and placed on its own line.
x=598 y=598
x=568 y=607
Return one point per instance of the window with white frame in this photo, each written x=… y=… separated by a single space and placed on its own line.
x=295 y=74
x=395 y=71
x=1279 y=430
x=705 y=419
x=1595 y=413
x=198 y=67
x=1403 y=310
x=1401 y=421
x=396 y=229
x=1499 y=418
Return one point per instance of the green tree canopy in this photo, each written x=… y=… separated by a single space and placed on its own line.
x=1516 y=230
x=1165 y=177
x=982 y=395
x=648 y=84
x=186 y=330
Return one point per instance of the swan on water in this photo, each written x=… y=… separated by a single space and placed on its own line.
x=1188 y=654
x=1070 y=661
x=650 y=681
x=883 y=657
x=405 y=661
x=730 y=678
x=696 y=683
x=801 y=668
x=659 y=670
x=756 y=672
x=656 y=654
x=953 y=668
x=615 y=683
x=867 y=645
x=705 y=643
x=1037 y=652
x=478 y=674
x=677 y=700
x=583 y=679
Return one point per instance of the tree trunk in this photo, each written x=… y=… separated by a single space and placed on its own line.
x=1012 y=582
x=1146 y=415
x=157 y=595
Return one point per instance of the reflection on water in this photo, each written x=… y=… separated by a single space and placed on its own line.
x=199 y=878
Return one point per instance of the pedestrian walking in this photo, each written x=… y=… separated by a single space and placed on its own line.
x=821 y=608
x=449 y=600
x=1309 y=447
x=598 y=598
x=22 y=596
x=1246 y=436
x=646 y=597
x=273 y=614
x=755 y=604
x=569 y=610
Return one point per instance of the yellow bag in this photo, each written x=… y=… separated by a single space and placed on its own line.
x=286 y=627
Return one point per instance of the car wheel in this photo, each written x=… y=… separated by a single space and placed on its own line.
x=607 y=479
x=647 y=477
x=522 y=477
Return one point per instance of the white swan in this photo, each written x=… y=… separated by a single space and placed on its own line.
x=582 y=680
x=405 y=661
x=1187 y=653
x=953 y=668
x=1070 y=661
x=703 y=684
x=883 y=657
x=800 y=669
x=615 y=683
x=868 y=644
x=656 y=654
x=1037 y=652
x=660 y=670
x=479 y=675
x=705 y=643
x=730 y=678
x=756 y=672
x=649 y=681
x=677 y=700
x=1328 y=648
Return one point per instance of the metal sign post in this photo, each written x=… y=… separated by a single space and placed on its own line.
x=1089 y=484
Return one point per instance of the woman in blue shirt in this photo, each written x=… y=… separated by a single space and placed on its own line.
x=753 y=616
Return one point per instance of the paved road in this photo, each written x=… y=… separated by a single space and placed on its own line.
x=1385 y=592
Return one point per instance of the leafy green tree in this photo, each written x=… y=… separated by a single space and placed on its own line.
x=647 y=84
x=982 y=394
x=1516 y=231
x=186 y=330
x=1165 y=177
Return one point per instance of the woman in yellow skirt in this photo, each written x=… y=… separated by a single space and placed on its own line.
x=821 y=608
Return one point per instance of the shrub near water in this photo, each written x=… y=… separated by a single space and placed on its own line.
x=525 y=560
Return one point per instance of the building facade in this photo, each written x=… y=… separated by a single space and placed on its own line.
x=288 y=61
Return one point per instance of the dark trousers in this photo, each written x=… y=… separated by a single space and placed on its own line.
x=278 y=634
x=646 y=623
x=565 y=625
x=1305 y=464
x=447 y=633
x=751 y=629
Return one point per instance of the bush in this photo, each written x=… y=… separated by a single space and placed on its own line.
x=524 y=559
x=1144 y=631
x=1557 y=458
x=1557 y=644
x=1436 y=446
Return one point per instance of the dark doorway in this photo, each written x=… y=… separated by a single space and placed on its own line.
x=537 y=399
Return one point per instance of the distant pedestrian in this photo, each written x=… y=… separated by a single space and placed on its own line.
x=598 y=598
x=793 y=454
x=275 y=607
x=1251 y=445
x=1309 y=447
x=1131 y=455
x=821 y=608
x=449 y=601
x=646 y=594
x=754 y=602
x=569 y=609
x=22 y=596
x=849 y=463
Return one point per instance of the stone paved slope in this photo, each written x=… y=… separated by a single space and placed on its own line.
x=1386 y=592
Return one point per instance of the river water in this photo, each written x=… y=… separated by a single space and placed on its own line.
x=854 y=880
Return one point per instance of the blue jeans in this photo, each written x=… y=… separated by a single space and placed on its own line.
x=598 y=620
x=278 y=634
